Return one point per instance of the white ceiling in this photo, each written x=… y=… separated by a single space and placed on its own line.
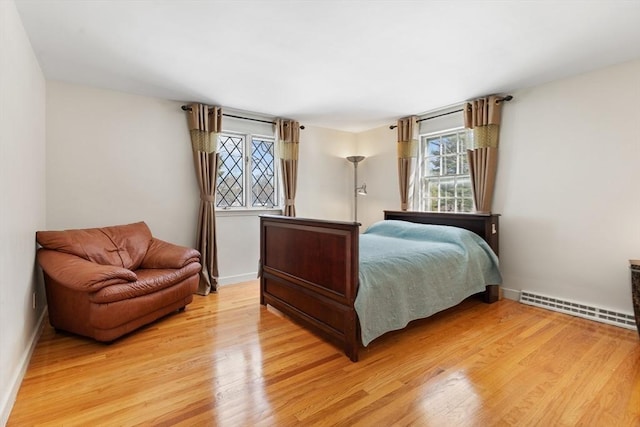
x=350 y=65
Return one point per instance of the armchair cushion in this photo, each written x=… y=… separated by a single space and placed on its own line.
x=82 y=275
x=122 y=245
x=149 y=281
x=163 y=254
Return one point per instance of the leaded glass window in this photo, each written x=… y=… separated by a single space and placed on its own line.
x=247 y=172
x=263 y=182
x=230 y=188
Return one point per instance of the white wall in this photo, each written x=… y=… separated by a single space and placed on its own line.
x=379 y=170
x=567 y=186
x=325 y=177
x=115 y=158
x=22 y=195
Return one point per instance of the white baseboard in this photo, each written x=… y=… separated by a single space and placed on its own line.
x=579 y=309
x=10 y=397
x=229 y=280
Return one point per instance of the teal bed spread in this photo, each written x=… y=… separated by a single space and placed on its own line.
x=410 y=271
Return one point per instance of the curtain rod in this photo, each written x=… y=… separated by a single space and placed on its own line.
x=187 y=108
x=506 y=98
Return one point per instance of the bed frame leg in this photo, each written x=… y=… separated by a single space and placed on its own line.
x=492 y=294
x=352 y=336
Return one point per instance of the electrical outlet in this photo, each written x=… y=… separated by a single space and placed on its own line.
x=33 y=300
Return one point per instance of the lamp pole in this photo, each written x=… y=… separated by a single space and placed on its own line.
x=355 y=160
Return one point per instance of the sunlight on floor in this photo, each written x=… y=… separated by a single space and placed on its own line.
x=455 y=398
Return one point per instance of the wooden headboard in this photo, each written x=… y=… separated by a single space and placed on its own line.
x=484 y=225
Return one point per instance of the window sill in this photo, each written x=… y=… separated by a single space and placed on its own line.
x=220 y=213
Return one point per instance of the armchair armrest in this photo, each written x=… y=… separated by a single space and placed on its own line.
x=79 y=274
x=163 y=254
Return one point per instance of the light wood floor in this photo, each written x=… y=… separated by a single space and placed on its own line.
x=228 y=361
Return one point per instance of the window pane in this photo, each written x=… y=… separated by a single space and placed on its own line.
x=430 y=162
x=462 y=140
x=447 y=189
x=230 y=184
x=433 y=147
x=449 y=144
x=451 y=167
x=463 y=188
x=434 y=166
x=464 y=205
x=449 y=205
x=468 y=205
x=263 y=185
x=463 y=162
x=433 y=189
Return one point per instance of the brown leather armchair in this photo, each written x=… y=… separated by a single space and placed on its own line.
x=106 y=282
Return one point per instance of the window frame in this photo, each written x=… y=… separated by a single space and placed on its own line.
x=247 y=180
x=423 y=197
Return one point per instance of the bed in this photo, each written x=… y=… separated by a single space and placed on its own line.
x=310 y=270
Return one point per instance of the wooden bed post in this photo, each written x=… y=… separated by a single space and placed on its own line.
x=492 y=294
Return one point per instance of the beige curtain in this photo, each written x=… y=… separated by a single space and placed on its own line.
x=205 y=123
x=288 y=137
x=483 y=117
x=407 y=154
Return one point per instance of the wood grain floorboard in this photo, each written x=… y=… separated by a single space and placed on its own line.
x=227 y=361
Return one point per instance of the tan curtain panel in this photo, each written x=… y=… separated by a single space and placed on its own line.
x=205 y=123
x=288 y=137
x=483 y=116
x=407 y=154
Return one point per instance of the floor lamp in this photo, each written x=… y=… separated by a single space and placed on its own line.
x=362 y=190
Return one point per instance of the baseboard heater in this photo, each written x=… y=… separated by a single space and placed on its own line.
x=624 y=320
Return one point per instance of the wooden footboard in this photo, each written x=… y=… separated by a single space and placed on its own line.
x=310 y=272
x=309 y=268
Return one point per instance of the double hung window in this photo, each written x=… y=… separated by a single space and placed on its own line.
x=444 y=183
